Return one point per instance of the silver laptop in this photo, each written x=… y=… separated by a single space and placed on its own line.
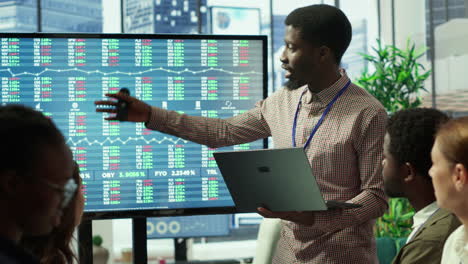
x=277 y=179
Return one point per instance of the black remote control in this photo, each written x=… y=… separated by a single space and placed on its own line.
x=122 y=106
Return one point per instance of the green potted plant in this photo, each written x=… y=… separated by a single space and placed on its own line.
x=396 y=79
x=100 y=253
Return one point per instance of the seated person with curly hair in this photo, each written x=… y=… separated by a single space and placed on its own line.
x=56 y=247
x=407 y=160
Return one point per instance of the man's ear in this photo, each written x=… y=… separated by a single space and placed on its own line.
x=408 y=171
x=8 y=182
x=460 y=177
x=325 y=53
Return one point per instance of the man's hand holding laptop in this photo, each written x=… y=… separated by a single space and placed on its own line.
x=304 y=218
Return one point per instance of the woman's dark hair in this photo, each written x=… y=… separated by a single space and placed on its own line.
x=323 y=25
x=25 y=133
x=55 y=248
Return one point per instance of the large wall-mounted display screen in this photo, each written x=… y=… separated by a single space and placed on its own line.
x=126 y=169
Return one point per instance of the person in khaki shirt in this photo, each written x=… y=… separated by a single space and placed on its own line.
x=407 y=147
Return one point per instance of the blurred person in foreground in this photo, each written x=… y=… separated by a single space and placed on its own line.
x=56 y=247
x=36 y=179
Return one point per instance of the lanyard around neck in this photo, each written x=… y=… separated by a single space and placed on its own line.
x=321 y=118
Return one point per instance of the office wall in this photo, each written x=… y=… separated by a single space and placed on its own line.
x=451 y=43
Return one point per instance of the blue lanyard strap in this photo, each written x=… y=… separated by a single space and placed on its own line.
x=329 y=106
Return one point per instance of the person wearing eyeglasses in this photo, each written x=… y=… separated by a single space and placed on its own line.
x=36 y=179
x=449 y=174
x=56 y=248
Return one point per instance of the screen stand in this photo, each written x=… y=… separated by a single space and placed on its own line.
x=180 y=246
x=85 y=242
x=140 y=252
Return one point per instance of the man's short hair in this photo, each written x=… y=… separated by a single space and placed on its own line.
x=412 y=135
x=24 y=133
x=323 y=25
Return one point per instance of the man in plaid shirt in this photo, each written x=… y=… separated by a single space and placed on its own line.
x=339 y=124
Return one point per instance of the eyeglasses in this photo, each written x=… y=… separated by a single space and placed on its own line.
x=67 y=191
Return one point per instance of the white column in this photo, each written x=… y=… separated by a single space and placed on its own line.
x=410 y=21
x=466 y=8
x=104 y=229
x=386 y=21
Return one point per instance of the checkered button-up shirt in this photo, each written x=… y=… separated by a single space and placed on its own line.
x=345 y=155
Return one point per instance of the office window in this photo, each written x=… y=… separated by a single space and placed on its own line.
x=456 y=9
x=442 y=11
x=364 y=19
x=138 y=16
x=450 y=64
x=72 y=16
x=18 y=16
x=165 y=16
x=57 y=16
x=451 y=55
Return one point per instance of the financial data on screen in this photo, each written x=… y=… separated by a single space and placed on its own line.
x=125 y=166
